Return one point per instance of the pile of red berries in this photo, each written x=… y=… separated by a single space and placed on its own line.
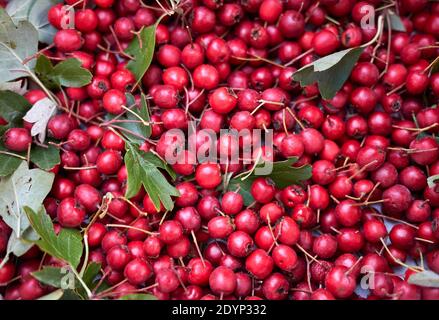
x=367 y=210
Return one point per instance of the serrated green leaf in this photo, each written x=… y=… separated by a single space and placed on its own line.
x=67 y=246
x=138 y=296
x=17 y=43
x=425 y=278
x=51 y=276
x=69 y=73
x=45 y=158
x=23 y=188
x=283 y=175
x=142 y=51
x=432 y=180
x=13 y=107
x=143 y=169
x=330 y=72
x=396 y=22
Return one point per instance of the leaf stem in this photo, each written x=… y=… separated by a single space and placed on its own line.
x=86 y=288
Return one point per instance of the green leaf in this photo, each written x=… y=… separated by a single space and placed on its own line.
x=141 y=130
x=425 y=279
x=17 y=43
x=51 y=276
x=24 y=188
x=90 y=274
x=67 y=246
x=396 y=22
x=13 y=107
x=8 y=163
x=143 y=169
x=44 y=69
x=432 y=180
x=138 y=296
x=142 y=51
x=35 y=11
x=69 y=73
x=283 y=175
x=45 y=158
x=330 y=72
x=70 y=294
x=54 y=295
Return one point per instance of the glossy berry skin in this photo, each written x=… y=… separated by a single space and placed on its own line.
x=232 y=203
x=17 y=139
x=259 y=264
x=138 y=271
x=113 y=101
x=69 y=214
x=340 y=283
x=170 y=231
x=222 y=281
x=208 y=175
x=206 y=77
x=68 y=40
x=223 y=100
x=262 y=190
x=109 y=162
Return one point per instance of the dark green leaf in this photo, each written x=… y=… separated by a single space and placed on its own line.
x=283 y=175
x=69 y=73
x=51 y=276
x=396 y=22
x=90 y=274
x=143 y=169
x=138 y=296
x=8 y=163
x=70 y=295
x=141 y=130
x=44 y=69
x=330 y=72
x=432 y=180
x=67 y=246
x=142 y=51
x=45 y=158
x=3 y=129
x=425 y=279
x=13 y=107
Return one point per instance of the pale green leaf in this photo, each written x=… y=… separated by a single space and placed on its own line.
x=17 y=43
